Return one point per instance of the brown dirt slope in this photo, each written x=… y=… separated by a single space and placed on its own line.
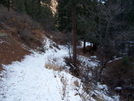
x=10 y=50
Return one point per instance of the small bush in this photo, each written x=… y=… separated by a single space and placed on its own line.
x=25 y=35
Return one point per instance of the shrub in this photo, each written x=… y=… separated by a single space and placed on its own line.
x=25 y=35
x=121 y=73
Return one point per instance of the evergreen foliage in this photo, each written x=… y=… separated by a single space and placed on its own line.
x=63 y=16
x=4 y=2
x=38 y=9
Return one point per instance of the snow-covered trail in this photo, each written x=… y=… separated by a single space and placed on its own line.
x=29 y=80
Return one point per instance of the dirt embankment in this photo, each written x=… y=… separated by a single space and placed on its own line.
x=10 y=50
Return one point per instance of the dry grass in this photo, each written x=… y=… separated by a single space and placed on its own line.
x=76 y=83
x=55 y=67
x=64 y=87
x=11 y=50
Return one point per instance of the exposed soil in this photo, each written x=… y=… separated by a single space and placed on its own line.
x=10 y=50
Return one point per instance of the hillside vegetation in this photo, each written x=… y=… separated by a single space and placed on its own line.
x=18 y=34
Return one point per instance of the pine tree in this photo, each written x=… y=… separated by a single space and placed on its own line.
x=8 y=5
x=74 y=32
x=4 y=2
x=18 y=5
x=63 y=15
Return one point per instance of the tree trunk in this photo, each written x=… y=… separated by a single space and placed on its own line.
x=8 y=5
x=94 y=46
x=101 y=69
x=39 y=8
x=84 y=45
x=74 y=31
x=76 y=69
x=99 y=75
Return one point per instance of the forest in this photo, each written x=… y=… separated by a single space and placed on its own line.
x=107 y=24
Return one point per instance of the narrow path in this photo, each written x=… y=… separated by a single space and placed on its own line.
x=29 y=80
